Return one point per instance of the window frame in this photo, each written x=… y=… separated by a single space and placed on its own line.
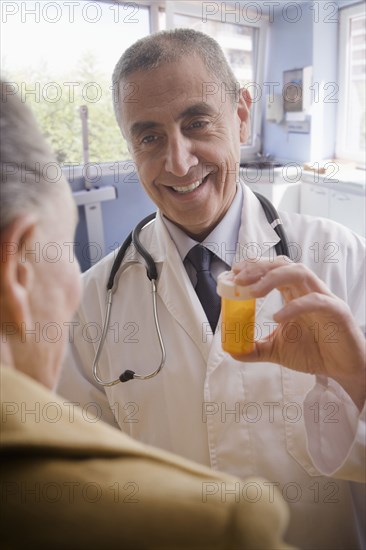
x=194 y=9
x=154 y=8
x=342 y=152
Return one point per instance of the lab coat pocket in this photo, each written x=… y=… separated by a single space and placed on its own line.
x=295 y=387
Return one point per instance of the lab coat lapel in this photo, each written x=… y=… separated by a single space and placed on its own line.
x=256 y=237
x=256 y=240
x=176 y=291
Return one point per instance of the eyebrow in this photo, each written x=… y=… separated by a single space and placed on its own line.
x=201 y=108
x=139 y=127
x=196 y=109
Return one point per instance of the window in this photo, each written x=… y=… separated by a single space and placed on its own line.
x=351 y=139
x=237 y=42
x=60 y=56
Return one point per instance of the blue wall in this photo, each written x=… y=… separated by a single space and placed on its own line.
x=312 y=40
x=120 y=215
x=289 y=47
x=325 y=73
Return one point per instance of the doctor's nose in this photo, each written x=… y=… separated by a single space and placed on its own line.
x=179 y=157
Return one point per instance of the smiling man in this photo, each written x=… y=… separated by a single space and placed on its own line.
x=185 y=146
x=293 y=411
x=72 y=482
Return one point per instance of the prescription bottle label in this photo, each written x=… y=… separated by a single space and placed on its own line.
x=238 y=324
x=238 y=315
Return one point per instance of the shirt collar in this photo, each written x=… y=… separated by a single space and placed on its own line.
x=223 y=238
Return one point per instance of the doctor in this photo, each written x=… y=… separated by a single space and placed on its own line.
x=69 y=482
x=296 y=414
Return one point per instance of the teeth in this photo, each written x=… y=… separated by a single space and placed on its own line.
x=188 y=188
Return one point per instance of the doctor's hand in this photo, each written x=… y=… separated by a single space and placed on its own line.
x=316 y=332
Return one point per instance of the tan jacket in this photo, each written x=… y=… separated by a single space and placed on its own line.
x=68 y=481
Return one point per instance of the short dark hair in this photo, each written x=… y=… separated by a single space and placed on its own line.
x=163 y=47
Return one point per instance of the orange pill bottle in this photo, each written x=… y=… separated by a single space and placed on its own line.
x=238 y=315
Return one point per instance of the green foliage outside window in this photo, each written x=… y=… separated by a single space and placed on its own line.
x=56 y=101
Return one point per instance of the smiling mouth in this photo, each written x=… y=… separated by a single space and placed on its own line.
x=183 y=190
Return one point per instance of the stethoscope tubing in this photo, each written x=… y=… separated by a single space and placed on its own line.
x=282 y=248
x=128 y=374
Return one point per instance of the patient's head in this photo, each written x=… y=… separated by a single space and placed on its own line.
x=39 y=275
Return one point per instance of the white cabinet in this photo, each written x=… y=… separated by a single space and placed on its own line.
x=279 y=184
x=283 y=196
x=314 y=200
x=348 y=209
x=341 y=202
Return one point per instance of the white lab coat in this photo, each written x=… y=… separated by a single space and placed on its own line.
x=243 y=418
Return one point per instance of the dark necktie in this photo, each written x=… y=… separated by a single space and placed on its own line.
x=201 y=257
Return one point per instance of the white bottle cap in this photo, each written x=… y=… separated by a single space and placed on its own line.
x=226 y=287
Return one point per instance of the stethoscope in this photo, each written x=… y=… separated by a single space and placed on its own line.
x=282 y=248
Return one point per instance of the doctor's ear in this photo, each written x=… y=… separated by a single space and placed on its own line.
x=243 y=110
x=17 y=268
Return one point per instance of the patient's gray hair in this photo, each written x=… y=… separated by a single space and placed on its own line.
x=163 y=47
x=24 y=157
